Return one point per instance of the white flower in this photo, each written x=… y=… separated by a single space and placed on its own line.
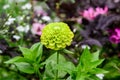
x=20 y=28
x=23 y=28
x=100 y=76
x=10 y=21
x=20 y=18
x=27 y=6
x=27 y=28
x=6 y=6
x=84 y=46
x=74 y=30
x=76 y=45
x=46 y=18
x=16 y=37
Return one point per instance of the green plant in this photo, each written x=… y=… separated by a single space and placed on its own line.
x=56 y=66
x=56 y=36
x=87 y=67
x=30 y=62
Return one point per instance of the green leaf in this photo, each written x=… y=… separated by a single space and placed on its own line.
x=16 y=59
x=69 y=78
x=49 y=71
x=25 y=67
x=37 y=50
x=67 y=66
x=53 y=58
x=51 y=67
x=85 y=60
x=27 y=53
x=86 y=56
x=95 y=56
x=87 y=65
x=98 y=71
x=67 y=51
x=34 y=53
x=89 y=61
x=93 y=77
x=81 y=76
x=113 y=66
x=96 y=63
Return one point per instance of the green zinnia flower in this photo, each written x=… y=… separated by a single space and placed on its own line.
x=56 y=35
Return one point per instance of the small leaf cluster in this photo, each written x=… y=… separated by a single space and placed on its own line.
x=30 y=62
x=86 y=68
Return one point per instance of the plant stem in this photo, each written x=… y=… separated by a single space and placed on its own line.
x=57 y=64
x=37 y=71
x=39 y=74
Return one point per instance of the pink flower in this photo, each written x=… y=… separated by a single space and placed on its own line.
x=115 y=35
x=37 y=28
x=101 y=11
x=79 y=20
x=91 y=13
x=41 y=13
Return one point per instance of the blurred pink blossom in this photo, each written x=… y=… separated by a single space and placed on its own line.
x=115 y=35
x=102 y=11
x=41 y=13
x=37 y=28
x=79 y=20
x=91 y=13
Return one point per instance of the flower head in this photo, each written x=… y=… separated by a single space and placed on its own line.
x=37 y=28
x=56 y=35
x=115 y=35
x=91 y=13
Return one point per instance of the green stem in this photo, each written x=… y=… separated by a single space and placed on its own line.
x=39 y=74
x=57 y=64
x=37 y=71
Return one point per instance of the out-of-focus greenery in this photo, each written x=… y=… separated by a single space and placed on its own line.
x=9 y=72
x=16 y=22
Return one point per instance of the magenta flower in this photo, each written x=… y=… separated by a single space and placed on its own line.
x=91 y=13
x=115 y=35
x=37 y=28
